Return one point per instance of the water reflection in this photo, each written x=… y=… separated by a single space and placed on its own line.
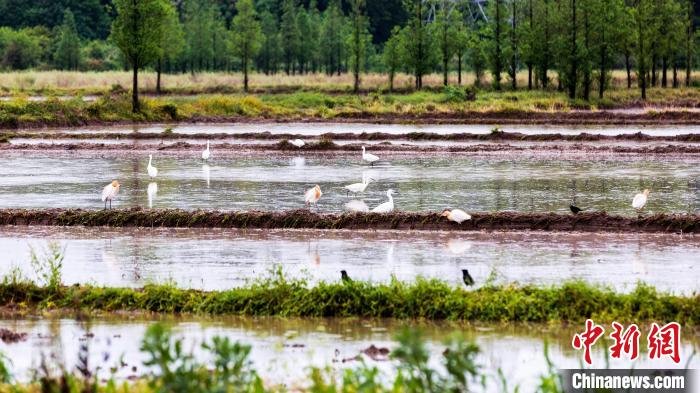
x=206 y=172
x=220 y=259
x=518 y=350
x=151 y=191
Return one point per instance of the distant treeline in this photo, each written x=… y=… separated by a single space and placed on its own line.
x=579 y=40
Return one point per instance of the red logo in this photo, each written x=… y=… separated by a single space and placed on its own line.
x=586 y=339
x=665 y=341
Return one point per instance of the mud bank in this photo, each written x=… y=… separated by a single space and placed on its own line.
x=301 y=219
x=496 y=136
x=237 y=149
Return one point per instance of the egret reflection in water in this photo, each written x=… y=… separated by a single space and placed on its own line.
x=206 y=173
x=152 y=191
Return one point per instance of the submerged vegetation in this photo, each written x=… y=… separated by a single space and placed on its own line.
x=176 y=369
x=277 y=295
x=300 y=219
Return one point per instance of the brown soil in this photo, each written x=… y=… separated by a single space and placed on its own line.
x=297 y=219
x=233 y=149
x=366 y=136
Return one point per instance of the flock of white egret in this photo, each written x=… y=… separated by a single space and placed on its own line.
x=312 y=195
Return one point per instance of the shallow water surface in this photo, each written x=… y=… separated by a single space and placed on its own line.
x=423 y=183
x=284 y=349
x=220 y=259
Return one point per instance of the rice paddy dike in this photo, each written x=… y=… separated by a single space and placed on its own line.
x=424 y=299
x=303 y=218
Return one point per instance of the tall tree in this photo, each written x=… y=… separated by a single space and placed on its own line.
x=246 y=36
x=495 y=30
x=67 y=56
x=461 y=47
x=138 y=32
x=447 y=21
x=290 y=35
x=689 y=36
x=332 y=43
x=607 y=21
x=172 y=44
x=418 y=50
x=644 y=22
x=358 y=40
x=391 y=55
x=268 y=56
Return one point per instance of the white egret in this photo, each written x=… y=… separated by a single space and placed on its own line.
x=152 y=171
x=152 y=191
x=297 y=142
x=109 y=192
x=206 y=154
x=640 y=200
x=386 y=207
x=313 y=195
x=357 y=206
x=358 y=187
x=456 y=215
x=371 y=158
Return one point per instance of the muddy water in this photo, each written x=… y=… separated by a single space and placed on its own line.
x=220 y=259
x=430 y=183
x=283 y=349
x=322 y=128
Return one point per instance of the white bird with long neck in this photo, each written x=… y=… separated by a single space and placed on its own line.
x=371 y=158
x=386 y=207
x=312 y=195
x=109 y=192
x=152 y=171
x=206 y=153
x=456 y=215
x=358 y=187
x=640 y=200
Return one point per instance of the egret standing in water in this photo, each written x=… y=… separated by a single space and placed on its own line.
x=371 y=158
x=313 y=195
x=152 y=171
x=640 y=200
x=358 y=187
x=456 y=215
x=386 y=207
x=206 y=153
x=109 y=192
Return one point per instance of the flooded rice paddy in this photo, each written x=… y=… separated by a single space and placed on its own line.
x=284 y=349
x=424 y=183
x=218 y=259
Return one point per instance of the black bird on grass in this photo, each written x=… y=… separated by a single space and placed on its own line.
x=467 y=278
x=344 y=276
x=575 y=209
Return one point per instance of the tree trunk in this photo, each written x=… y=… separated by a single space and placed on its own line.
x=459 y=70
x=675 y=75
x=573 y=61
x=688 y=42
x=654 y=78
x=391 y=81
x=135 y=107
x=628 y=68
x=529 y=76
x=158 y=72
x=245 y=73
x=664 y=71
x=601 y=81
x=513 y=47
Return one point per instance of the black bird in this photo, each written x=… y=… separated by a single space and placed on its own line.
x=467 y=278
x=575 y=209
x=344 y=276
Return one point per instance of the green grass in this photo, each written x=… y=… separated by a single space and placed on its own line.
x=429 y=299
x=514 y=106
